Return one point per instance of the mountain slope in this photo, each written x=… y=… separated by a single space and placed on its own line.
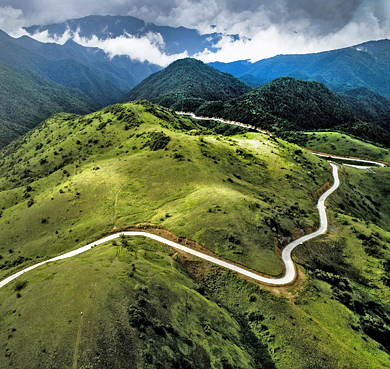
x=27 y=99
x=287 y=104
x=186 y=84
x=371 y=106
x=69 y=72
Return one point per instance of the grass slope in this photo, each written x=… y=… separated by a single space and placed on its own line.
x=139 y=309
x=338 y=144
x=75 y=178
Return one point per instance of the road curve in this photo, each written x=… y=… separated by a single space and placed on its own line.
x=350 y=159
x=288 y=277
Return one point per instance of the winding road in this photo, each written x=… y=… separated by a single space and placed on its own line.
x=288 y=277
x=290 y=272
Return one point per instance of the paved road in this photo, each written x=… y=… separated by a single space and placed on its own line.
x=224 y=121
x=288 y=277
x=351 y=159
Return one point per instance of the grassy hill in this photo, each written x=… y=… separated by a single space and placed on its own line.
x=76 y=178
x=338 y=144
x=186 y=84
x=27 y=99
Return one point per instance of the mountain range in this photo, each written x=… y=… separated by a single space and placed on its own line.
x=285 y=104
x=364 y=65
x=73 y=170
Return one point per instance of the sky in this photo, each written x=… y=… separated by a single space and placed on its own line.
x=266 y=27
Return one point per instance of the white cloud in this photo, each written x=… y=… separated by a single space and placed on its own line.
x=12 y=21
x=147 y=48
x=273 y=26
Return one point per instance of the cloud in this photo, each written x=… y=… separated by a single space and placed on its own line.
x=273 y=26
x=147 y=48
x=12 y=20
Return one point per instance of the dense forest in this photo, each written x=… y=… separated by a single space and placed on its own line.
x=186 y=84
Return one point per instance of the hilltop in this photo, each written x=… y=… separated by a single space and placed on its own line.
x=186 y=84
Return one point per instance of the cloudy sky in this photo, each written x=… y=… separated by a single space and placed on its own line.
x=270 y=27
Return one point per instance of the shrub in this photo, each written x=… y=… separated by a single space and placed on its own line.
x=19 y=285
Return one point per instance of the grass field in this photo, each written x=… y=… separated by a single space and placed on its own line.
x=340 y=144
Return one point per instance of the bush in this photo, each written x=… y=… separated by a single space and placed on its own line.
x=19 y=285
x=158 y=141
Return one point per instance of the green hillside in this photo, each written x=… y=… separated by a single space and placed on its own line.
x=75 y=178
x=287 y=104
x=338 y=144
x=186 y=84
x=27 y=99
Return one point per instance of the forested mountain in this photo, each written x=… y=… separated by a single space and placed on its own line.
x=371 y=106
x=27 y=99
x=68 y=72
x=365 y=65
x=90 y=70
x=176 y=40
x=287 y=104
x=186 y=84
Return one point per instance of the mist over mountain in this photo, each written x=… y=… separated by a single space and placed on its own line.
x=173 y=40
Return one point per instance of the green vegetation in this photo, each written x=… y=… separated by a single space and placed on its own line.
x=27 y=99
x=186 y=84
x=338 y=144
x=76 y=178
x=287 y=104
x=135 y=163
x=120 y=306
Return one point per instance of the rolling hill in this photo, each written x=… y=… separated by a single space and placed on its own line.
x=186 y=84
x=132 y=302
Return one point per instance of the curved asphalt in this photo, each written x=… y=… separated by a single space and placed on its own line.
x=288 y=277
